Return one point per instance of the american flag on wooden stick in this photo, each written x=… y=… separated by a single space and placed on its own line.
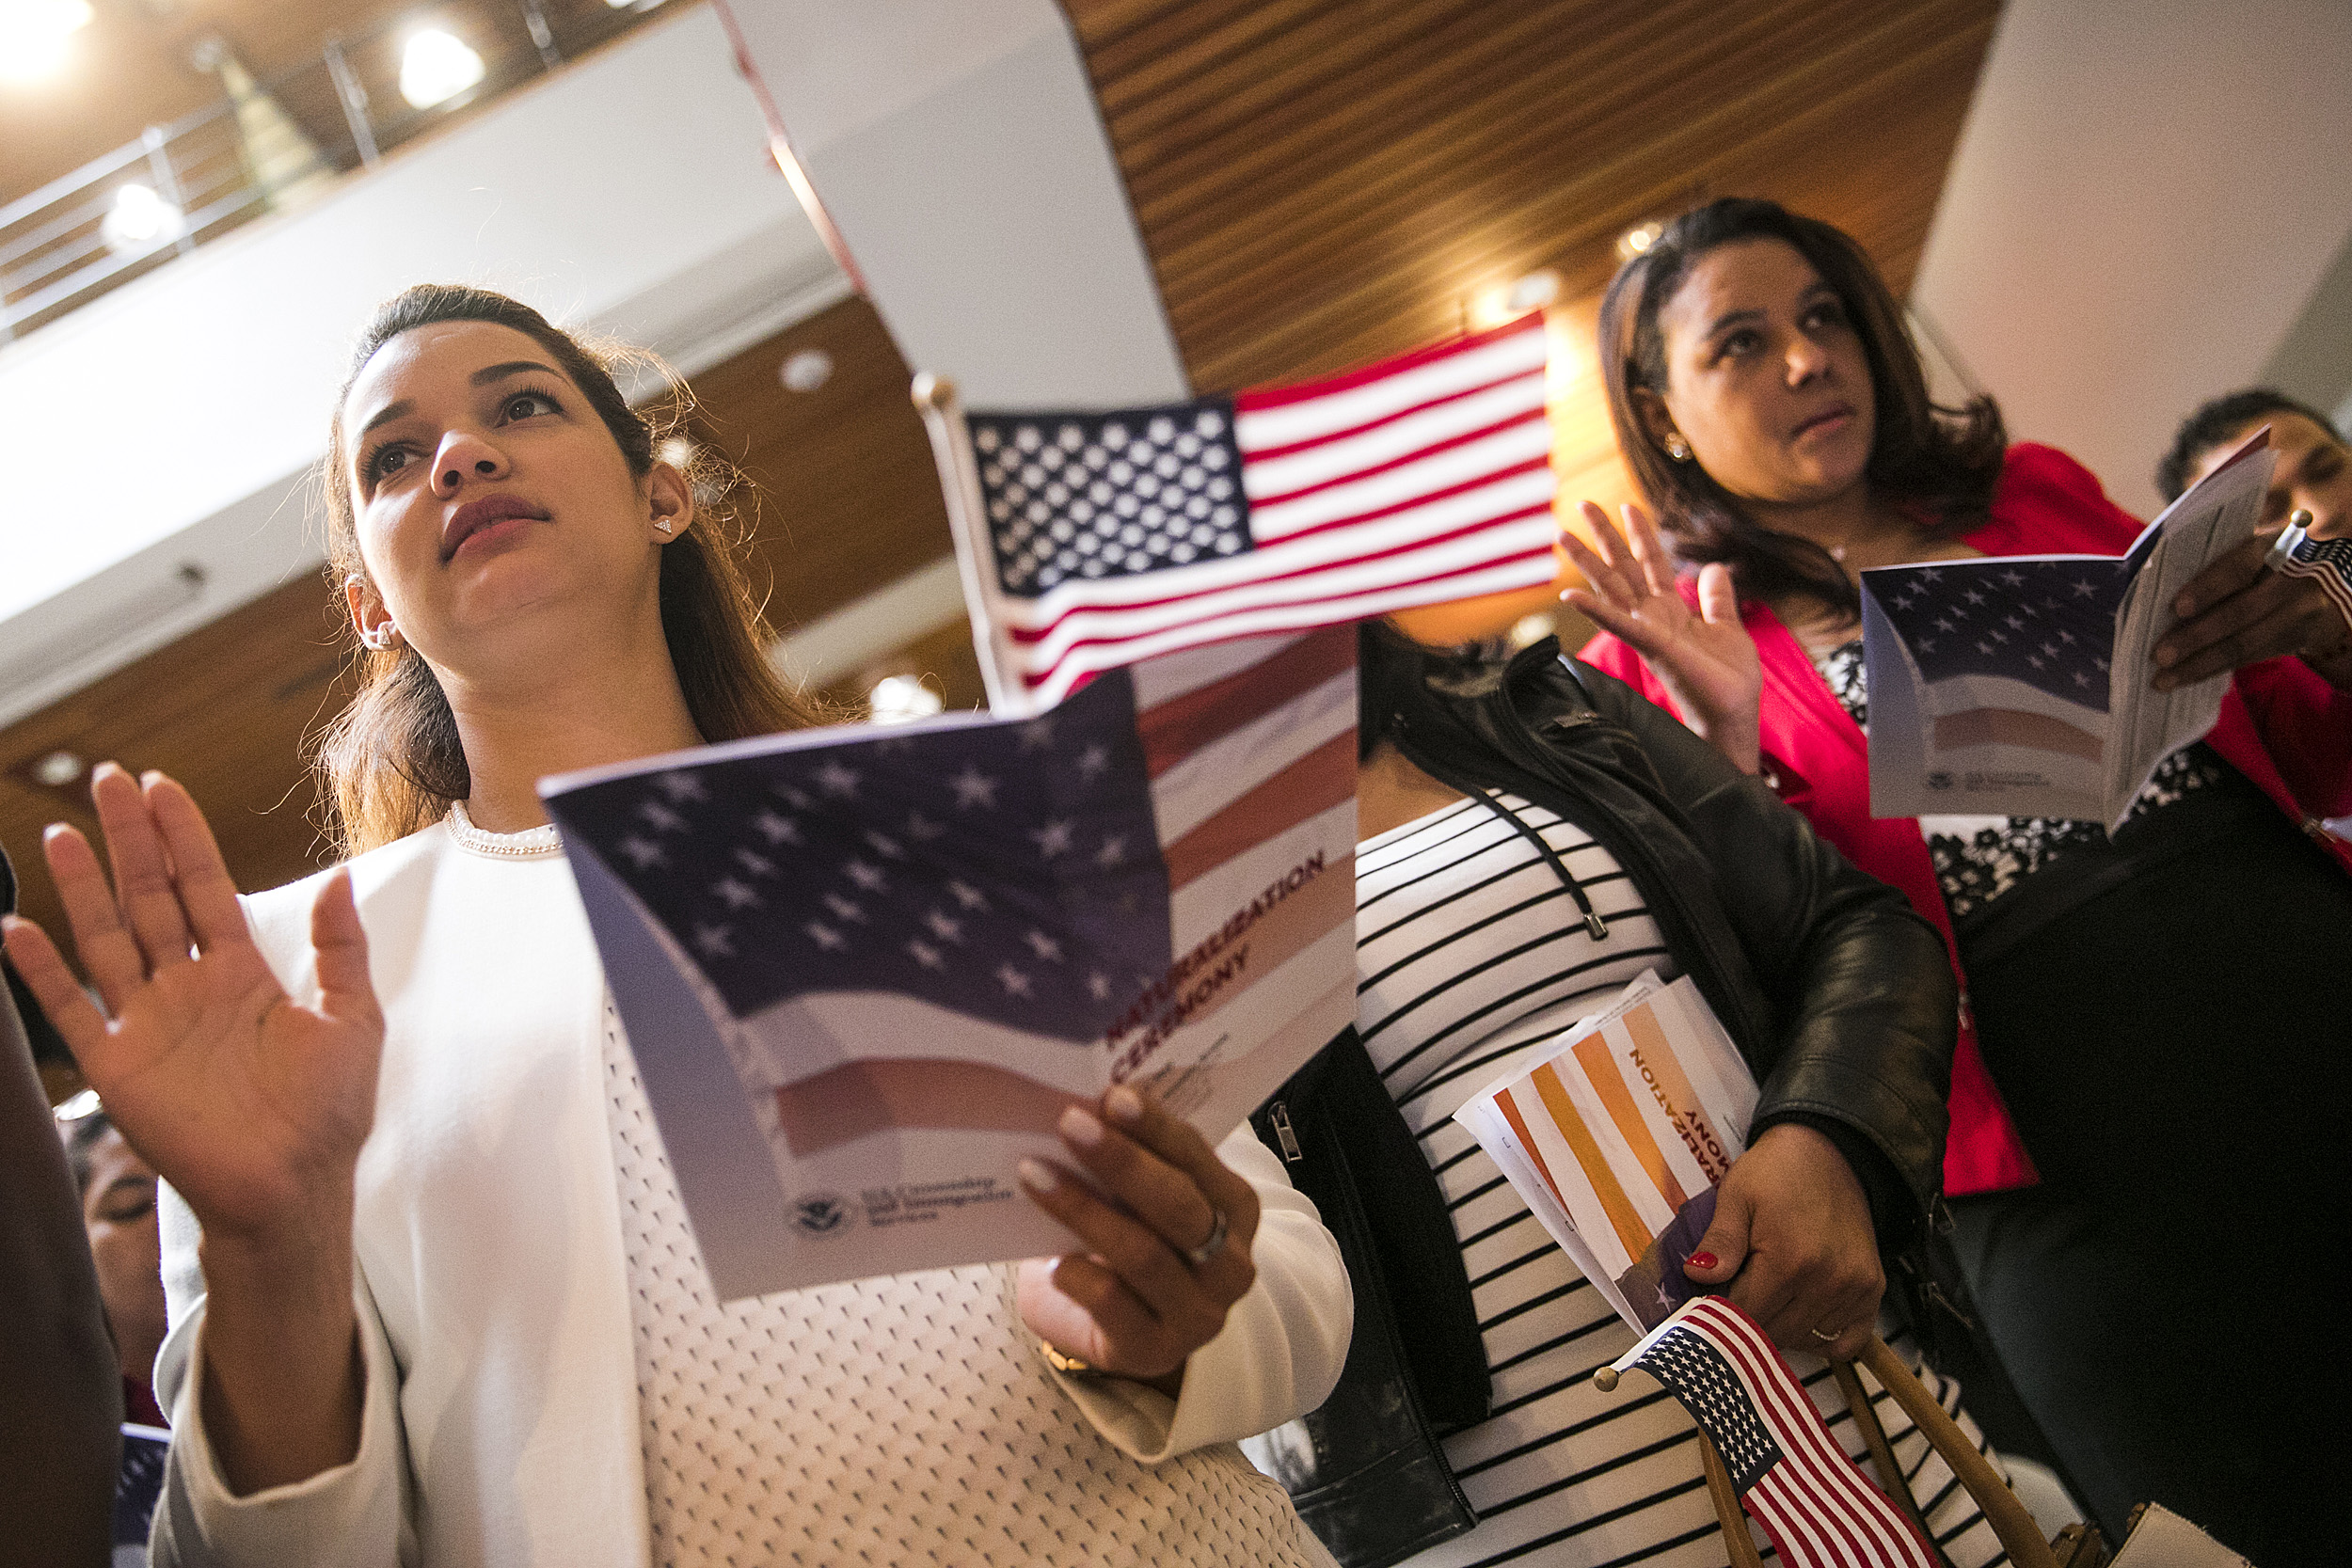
x=1090 y=540
x=2326 y=562
x=1819 y=1509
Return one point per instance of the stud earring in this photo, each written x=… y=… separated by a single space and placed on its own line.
x=1677 y=448
x=665 y=525
x=383 y=640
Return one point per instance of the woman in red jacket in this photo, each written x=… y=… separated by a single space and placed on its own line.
x=2169 y=1056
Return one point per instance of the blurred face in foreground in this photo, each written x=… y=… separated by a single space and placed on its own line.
x=119 y=1211
x=2315 y=472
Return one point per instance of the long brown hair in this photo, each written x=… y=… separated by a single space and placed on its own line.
x=391 y=760
x=1943 y=462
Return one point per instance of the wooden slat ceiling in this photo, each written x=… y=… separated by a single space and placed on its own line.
x=1318 y=182
x=1321 y=182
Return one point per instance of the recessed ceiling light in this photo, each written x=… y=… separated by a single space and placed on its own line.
x=1637 y=240
x=59 y=769
x=897 y=699
x=139 y=219
x=1492 y=307
x=677 y=451
x=806 y=371
x=436 y=67
x=35 y=34
x=1527 y=630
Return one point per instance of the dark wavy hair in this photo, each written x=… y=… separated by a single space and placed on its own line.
x=391 y=760
x=2219 y=422
x=1943 y=461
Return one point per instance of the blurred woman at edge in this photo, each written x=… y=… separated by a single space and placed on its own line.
x=61 y=1411
x=2142 y=1005
x=444 y=1305
x=2315 y=472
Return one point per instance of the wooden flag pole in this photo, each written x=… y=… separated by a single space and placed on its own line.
x=1891 y=1478
x=1728 y=1514
x=935 y=399
x=2008 y=1516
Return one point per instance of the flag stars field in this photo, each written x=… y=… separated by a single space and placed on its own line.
x=973 y=788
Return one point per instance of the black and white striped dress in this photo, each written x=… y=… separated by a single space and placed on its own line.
x=1470 y=953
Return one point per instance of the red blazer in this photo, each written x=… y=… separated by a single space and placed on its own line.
x=2282 y=725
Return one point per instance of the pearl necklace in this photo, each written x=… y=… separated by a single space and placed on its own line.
x=530 y=845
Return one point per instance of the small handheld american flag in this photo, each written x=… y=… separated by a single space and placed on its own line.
x=1790 y=1473
x=2326 y=562
x=1089 y=539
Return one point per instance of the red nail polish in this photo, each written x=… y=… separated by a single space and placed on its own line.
x=1701 y=1260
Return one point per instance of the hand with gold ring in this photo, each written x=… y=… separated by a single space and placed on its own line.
x=1164 y=1235
x=1791 y=1242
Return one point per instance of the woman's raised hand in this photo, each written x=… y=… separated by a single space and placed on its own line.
x=252 y=1107
x=1793 y=1245
x=1160 y=1270
x=1706 y=660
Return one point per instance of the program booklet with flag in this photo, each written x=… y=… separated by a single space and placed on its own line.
x=864 y=970
x=2019 y=686
x=1617 y=1137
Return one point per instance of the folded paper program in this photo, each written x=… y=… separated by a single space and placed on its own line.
x=2020 y=686
x=865 y=970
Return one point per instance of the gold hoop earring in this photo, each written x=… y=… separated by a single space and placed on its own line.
x=1677 y=448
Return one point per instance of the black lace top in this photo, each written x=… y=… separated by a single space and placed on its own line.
x=1978 y=859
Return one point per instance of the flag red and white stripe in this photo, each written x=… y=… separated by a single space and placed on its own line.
x=1819 y=1508
x=1095 y=539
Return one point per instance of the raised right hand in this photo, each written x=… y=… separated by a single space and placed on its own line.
x=1706 y=660
x=252 y=1107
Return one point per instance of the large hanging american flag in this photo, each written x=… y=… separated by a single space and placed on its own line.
x=1091 y=540
x=943 y=935
x=1819 y=1509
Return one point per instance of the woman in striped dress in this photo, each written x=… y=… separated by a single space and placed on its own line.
x=1533 y=839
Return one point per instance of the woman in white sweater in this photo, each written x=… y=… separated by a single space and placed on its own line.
x=434 y=1297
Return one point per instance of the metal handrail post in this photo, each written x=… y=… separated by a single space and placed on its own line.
x=167 y=185
x=353 y=98
x=541 y=36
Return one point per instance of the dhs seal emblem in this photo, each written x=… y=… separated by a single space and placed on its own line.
x=822 y=1214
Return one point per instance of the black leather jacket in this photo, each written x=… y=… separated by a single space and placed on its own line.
x=1837 y=994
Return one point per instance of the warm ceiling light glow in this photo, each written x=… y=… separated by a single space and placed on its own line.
x=35 y=34
x=1492 y=307
x=1637 y=240
x=60 y=770
x=436 y=67
x=806 y=371
x=897 y=699
x=677 y=451
x=1527 y=630
x=140 y=219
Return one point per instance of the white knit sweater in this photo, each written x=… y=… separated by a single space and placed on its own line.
x=513 y=1235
